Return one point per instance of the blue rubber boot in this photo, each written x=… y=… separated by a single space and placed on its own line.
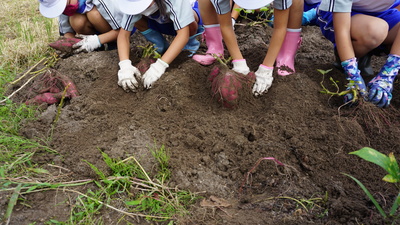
x=156 y=38
x=193 y=44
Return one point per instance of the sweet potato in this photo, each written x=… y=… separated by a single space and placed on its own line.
x=144 y=64
x=149 y=56
x=49 y=98
x=227 y=85
x=64 y=44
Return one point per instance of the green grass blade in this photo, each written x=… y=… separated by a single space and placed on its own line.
x=369 y=195
x=12 y=202
x=395 y=205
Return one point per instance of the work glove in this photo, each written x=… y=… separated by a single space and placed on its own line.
x=88 y=43
x=263 y=80
x=380 y=88
x=240 y=66
x=126 y=76
x=154 y=73
x=355 y=79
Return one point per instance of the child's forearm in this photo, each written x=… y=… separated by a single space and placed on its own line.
x=110 y=36
x=229 y=36
x=69 y=35
x=177 y=45
x=277 y=37
x=341 y=24
x=123 y=42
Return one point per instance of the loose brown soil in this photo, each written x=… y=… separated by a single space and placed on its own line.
x=213 y=148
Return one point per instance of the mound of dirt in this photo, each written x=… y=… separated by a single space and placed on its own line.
x=213 y=148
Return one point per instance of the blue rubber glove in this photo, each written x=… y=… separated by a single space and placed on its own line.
x=353 y=75
x=381 y=86
x=309 y=17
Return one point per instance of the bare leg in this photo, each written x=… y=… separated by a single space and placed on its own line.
x=367 y=33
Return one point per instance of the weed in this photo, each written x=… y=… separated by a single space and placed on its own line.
x=261 y=16
x=353 y=91
x=388 y=163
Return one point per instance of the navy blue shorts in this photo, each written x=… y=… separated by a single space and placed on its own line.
x=325 y=19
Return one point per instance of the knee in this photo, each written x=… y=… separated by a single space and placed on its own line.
x=374 y=35
x=79 y=23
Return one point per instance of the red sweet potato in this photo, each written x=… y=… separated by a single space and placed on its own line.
x=229 y=87
x=49 y=98
x=144 y=64
x=64 y=44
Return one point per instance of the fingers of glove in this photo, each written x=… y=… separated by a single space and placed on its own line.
x=148 y=80
x=128 y=84
x=385 y=101
x=79 y=44
x=132 y=84
x=375 y=95
x=82 y=36
x=137 y=73
x=78 y=50
x=348 y=98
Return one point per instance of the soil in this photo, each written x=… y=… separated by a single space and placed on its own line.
x=213 y=148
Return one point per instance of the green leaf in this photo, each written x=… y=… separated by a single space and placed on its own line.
x=389 y=178
x=264 y=9
x=368 y=194
x=248 y=11
x=373 y=156
x=135 y=202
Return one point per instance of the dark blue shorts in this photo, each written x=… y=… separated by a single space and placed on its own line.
x=168 y=28
x=325 y=19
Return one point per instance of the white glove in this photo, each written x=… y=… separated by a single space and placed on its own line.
x=88 y=43
x=240 y=66
x=233 y=23
x=154 y=73
x=263 y=80
x=126 y=75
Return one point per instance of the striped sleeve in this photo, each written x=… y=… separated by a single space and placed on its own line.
x=180 y=12
x=336 y=5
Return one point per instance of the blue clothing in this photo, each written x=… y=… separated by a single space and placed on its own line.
x=325 y=19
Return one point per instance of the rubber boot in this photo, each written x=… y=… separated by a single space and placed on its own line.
x=214 y=44
x=156 y=38
x=193 y=44
x=364 y=64
x=287 y=53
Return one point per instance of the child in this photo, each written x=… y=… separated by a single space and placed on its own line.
x=284 y=42
x=357 y=28
x=95 y=21
x=173 y=17
x=217 y=21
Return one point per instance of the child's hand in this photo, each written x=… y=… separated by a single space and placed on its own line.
x=240 y=66
x=88 y=43
x=154 y=73
x=355 y=79
x=263 y=80
x=126 y=76
x=381 y=86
